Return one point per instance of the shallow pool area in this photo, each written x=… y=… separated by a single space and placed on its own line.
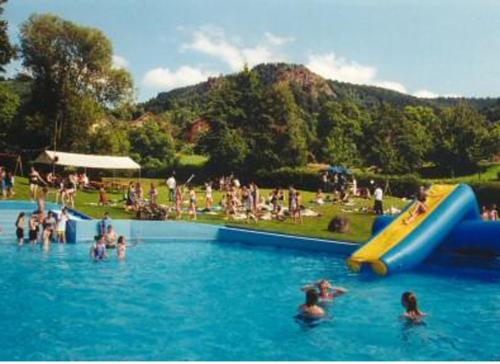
x=199 y=300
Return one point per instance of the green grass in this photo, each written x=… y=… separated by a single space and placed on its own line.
x=195 y=160
x=489 y=173
x=361 y=223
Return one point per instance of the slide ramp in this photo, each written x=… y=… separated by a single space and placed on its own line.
x=401 y=246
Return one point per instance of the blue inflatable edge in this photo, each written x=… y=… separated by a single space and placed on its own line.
x=460 y=205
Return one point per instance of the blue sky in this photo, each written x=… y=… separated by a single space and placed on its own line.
x=421 y=47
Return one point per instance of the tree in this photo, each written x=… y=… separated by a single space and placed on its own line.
x=461 y=139
x=73 y=78
x=339 y=131
x=152 y=145
x=9 y=105
x=110 y=139
x=7 y=50
x=395 y=142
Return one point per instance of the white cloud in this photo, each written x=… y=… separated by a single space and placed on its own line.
x=119 y=62
x=277 y=40
x=165 y=79
x=337 y=68
x=212 y=41
x=392 y=85
x=426 y=94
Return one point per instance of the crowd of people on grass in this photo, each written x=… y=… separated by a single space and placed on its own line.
x=237 y=201
x=320 y=295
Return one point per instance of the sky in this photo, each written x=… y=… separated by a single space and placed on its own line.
x=426 y=48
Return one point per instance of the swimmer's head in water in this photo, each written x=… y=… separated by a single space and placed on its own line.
x=312 y=297
x=121 y=239
x=409 y=301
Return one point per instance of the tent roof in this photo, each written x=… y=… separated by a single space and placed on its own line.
x=86 y=160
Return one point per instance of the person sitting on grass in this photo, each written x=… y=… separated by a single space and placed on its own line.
x=311 y=309
x=320 y=197
x=98 y=249
x=409 y=302
x=420 y=206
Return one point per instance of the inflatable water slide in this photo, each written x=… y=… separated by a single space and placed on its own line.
x=399 y=244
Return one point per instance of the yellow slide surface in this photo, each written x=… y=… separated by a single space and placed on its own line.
x=396 y=232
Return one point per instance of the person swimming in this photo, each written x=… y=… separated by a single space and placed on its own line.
x=327 y=292
x=311 y=309
x=409 y=302
x=98 y=249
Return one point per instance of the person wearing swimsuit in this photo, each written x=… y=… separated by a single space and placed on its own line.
x=409 y=302
x=20 y=228
x=98 y=249
x=121 y=249
x=178 y=202
x=420 y=205
x=311 y=309
x=33 y=228
x=34 y=179
x=192 y=203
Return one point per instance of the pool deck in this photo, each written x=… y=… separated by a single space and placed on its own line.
x=84 y=229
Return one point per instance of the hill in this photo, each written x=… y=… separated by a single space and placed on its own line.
x=315 y=87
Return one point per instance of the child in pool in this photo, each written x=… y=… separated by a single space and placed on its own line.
x=311 y=309
x=327 y=292
x=121 y=248
x=409 y=302
x=98 y=249
x=20 y=228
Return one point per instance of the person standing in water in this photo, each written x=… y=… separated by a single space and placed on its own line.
x=98 y=249
x=33 y=224
x=20 y=228
x=121 y=249
x=61 y=226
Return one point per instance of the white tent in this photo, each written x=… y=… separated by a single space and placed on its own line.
x=86 y=160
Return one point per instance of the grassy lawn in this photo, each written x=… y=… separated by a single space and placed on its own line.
x=490 y=173
x=361 y=223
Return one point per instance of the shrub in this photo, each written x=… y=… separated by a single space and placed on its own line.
x=487 y=193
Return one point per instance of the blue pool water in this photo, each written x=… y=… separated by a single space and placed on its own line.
x=221 y=301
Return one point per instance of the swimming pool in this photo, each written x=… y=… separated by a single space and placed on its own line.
x=223 y=301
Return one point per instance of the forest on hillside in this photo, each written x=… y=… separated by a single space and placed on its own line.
x=71 y=98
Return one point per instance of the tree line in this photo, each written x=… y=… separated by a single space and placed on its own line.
x=70 y=97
